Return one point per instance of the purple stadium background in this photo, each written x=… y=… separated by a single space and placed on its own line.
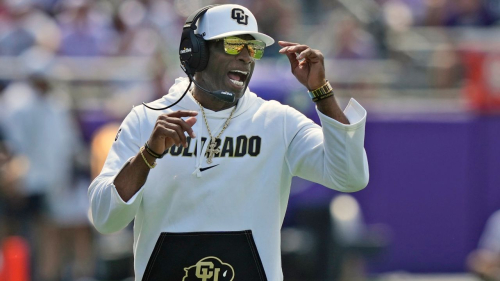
x=433 y=184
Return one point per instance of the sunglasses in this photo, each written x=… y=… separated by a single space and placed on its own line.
x=234 y=45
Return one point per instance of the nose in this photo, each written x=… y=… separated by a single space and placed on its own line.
x=244 y=56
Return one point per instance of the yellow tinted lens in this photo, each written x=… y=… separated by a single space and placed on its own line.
x=234 y=45
x=256 y=49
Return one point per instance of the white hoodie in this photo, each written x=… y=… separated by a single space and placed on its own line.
x=264 y=146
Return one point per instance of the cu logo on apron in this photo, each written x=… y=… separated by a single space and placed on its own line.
x=209 y=269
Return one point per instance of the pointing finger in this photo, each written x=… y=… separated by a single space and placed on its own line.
x=294 y=49
x=182 y=113
x=286 y=43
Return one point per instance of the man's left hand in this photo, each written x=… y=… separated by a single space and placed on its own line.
x=308 y=66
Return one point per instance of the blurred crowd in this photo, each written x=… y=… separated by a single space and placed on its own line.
x=57 y=110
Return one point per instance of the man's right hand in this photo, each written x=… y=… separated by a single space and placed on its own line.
x=169 y=130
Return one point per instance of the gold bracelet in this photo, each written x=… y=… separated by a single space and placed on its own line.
x=322 y=92
x=152 y=153
x=145 y=160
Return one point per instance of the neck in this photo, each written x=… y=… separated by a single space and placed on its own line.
x=209 y=101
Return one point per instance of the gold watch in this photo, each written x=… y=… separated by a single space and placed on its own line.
x=322 y=92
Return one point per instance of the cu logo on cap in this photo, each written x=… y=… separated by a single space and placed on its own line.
x=239 y=15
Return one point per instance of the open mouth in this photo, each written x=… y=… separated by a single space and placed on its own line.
x=237 y=77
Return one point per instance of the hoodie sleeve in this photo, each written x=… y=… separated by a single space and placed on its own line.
x=109 y=213
x=332 y=155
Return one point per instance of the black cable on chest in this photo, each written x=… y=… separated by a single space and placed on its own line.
x=166 y=107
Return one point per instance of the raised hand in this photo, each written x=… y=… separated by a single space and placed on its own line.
x=308 y=66
x=169 y=130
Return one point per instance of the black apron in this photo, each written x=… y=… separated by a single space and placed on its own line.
x=205 y=256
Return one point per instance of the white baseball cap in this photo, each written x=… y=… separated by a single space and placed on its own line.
x=230 y=20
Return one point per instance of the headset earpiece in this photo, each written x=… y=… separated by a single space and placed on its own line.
x=187 y=57
x=204 y=53
x=193 y=50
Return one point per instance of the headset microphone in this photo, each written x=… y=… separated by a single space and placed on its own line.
x=222 y=95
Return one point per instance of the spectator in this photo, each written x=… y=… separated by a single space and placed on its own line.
x=54 y=208
x=86 y=31
x=16 y=38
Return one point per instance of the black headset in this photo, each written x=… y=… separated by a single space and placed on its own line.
x=193 y=50
x=194 y=55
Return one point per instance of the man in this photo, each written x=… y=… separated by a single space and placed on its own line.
x=212 y=207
